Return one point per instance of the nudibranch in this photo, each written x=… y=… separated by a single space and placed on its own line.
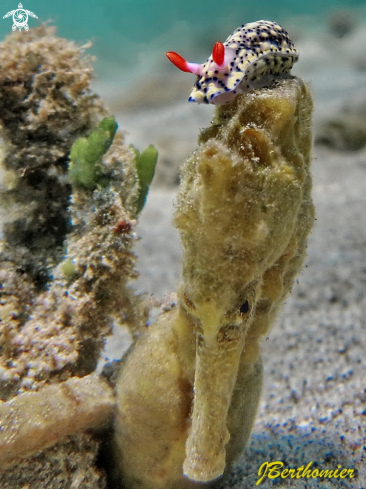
x=252 y=57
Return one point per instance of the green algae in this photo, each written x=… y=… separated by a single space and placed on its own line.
x=86 y=161
x=68 y=268
x=86 y=155
x=145 y=164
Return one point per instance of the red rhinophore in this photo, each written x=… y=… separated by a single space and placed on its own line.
x=218 y=53
x=178 y=61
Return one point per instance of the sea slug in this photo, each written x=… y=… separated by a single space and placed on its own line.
x=250 y=58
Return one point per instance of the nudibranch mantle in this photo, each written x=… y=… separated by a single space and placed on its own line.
x=252 y=57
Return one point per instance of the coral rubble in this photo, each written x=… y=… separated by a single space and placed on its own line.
x=188 y=392
x=59 y=409
x=69 y=464
x=346 y=129
x=47 y=104
x=65 y=254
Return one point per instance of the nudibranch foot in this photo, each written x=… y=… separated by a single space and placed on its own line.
x=252 y=57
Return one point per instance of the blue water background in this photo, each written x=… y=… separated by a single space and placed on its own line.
x=130 y=37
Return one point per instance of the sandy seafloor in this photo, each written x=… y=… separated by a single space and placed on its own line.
x=313 y=406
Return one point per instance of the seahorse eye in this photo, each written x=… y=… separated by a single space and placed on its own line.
x=244 y=308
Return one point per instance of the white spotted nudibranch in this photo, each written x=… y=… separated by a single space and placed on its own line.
x=252 y=57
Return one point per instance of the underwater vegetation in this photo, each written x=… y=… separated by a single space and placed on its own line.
x=187 y=392
x=86 y=156
x=86 y=161
x=145 y=164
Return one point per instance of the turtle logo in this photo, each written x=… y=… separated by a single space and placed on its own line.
x=20 y=18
